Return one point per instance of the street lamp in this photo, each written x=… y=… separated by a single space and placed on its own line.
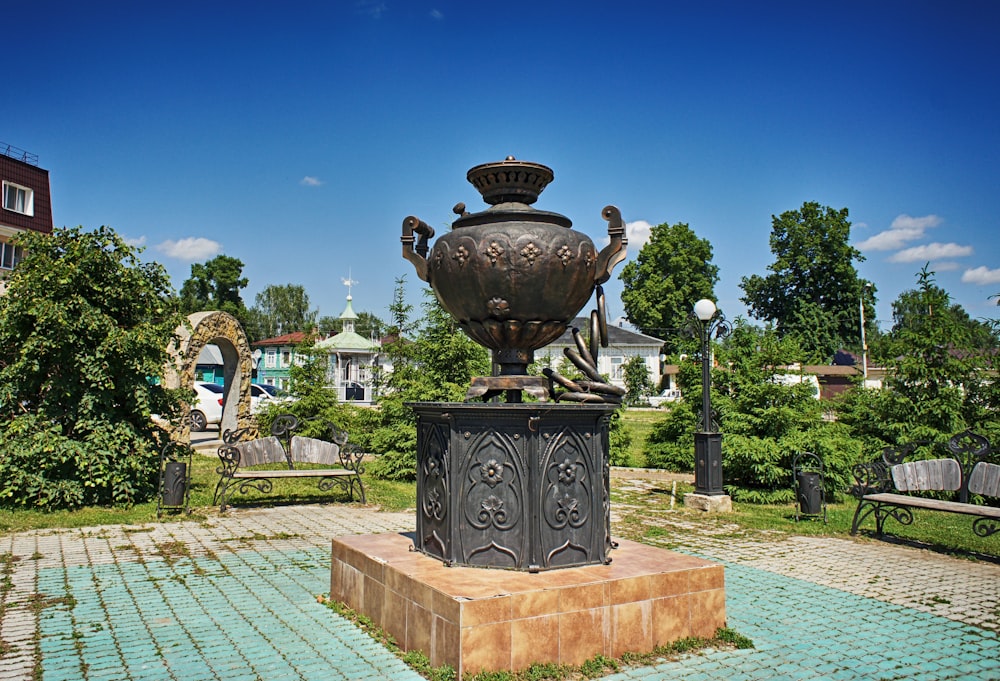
x=864 y=341
x=709 y=322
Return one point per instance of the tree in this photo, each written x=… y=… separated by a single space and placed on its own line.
x=215 y=285
x=672 y=271
x=912 y=309
x=765 y=420
x=367 y=325
x=436 y=365
x=637 y=381
x=813 y=291
x=280 y=309
x=84 y=329
x=941 y=381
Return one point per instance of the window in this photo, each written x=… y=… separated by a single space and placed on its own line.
x=616 y=367
x=18 y=199
x=10 y=255
x=286 y=358
x=271 y=358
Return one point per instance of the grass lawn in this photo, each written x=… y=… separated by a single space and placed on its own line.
x=639 y=423
x=389 y=496
x=645 y=515
x=643 y=509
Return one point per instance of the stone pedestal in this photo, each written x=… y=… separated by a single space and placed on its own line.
x=710 y=503
x=478 y=619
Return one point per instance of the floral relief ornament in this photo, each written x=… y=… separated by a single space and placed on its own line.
x=565 y=254
x=567 y=472
x=461 y=256
x=491 y=472
x=531 y=252
x=494 y=252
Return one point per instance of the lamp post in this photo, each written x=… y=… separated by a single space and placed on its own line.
x=709 y=322
x=864 y=340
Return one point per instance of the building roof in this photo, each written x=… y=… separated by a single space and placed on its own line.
x=348 y=312
x=293 y=338
x=347 y=340
x=210 y=354
x=617 y=335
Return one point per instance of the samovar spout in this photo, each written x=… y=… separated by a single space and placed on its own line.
x=417 y=254
x=614 y=252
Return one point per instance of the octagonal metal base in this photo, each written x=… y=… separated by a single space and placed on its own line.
x=516 y=486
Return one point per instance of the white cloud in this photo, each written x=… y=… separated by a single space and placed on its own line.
x=437 y=14
x=981 y=275
x=905 y=221
x=137 y=242
x=903 y=230
x=932 y=251
x=310 y=181
x=190 y=249
x=638 y=234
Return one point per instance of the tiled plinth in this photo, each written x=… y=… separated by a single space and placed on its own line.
x=477 y=619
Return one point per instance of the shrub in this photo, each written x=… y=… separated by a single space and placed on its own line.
x=84 y=329
x=670 y=444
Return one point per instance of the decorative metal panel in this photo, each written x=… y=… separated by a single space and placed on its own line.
x=515 y=486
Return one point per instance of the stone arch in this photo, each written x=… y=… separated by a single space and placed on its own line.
x=224 y=330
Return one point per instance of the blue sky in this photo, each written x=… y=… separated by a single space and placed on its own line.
x=296 y=136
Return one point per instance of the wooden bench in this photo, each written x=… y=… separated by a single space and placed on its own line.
x=891 y=486
x=339 y=463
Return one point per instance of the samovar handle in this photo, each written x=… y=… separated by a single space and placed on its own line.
x=418 y=254
x=614 y=252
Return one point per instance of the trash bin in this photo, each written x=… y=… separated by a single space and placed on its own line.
x=174 y=484
x=809 y=492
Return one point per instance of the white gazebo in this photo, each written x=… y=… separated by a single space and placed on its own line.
x=352 y=360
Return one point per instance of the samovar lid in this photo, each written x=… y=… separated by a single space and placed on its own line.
x=510 y=187
x=510 y=181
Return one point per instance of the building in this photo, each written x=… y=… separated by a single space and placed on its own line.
x=277 y=357
x=26 y=202
x=353 y=360
x=623 y=345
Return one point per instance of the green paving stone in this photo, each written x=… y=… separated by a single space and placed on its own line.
x=264 y=611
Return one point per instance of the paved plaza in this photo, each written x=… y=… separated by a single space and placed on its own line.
x=233 y=598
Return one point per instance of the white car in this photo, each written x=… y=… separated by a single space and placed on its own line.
x=665 y=396
x=259 y=396
x=208 y=409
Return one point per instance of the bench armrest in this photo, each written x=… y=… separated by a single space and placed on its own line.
x=351 y=457
x=871 y=478
x=229 y=460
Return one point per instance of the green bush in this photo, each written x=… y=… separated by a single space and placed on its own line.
x=102 y=464
x=670 y=444
x=620 y=440
x=84 y=330
x=759 y=469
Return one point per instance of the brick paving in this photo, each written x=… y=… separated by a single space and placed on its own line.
x=233 y=598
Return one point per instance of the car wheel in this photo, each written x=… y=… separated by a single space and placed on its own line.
x=198 y=421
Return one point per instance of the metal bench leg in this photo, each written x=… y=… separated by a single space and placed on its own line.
x=361 y=489
x=868 y=507
x=221 y=494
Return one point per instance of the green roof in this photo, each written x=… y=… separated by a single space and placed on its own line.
x=347 y=340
